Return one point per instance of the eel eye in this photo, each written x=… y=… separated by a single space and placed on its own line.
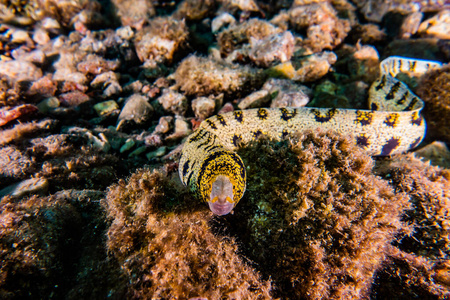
x=221 y=197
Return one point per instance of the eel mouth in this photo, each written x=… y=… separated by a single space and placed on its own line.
x=221 y=198
x=220 y=209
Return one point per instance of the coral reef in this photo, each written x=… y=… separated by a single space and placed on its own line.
x=90 y=91
x=162 y=239
x=314 y=218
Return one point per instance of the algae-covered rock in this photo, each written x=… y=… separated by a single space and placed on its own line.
x=201 y=76
x=419 y=264
x=435 y=91
x=314 y=218
x=52 y=247
x=163 y=242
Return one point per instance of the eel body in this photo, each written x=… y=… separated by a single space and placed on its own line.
x=393 y=124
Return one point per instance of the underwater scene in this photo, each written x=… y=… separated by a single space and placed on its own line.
x=225 y=149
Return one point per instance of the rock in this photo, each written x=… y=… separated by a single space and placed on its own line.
x=106 y=108
x=18 y=70
x=100 y=143
x=315 y=66
x=135 y=13
x=74 y=98
x=157 y=153
x=165 y=124
x=286 y=93
x=255 y=99
x=221 y=21
x=410 y=25
x=26 y=187
x=437 y=26
x=203 y=107
x=182 y=129
x=324 y=29
x=173 y=102
x=129 y=143
x=437 y=153
x=161 y=39
x=48 y=104
x=278 y=47
x=42 y=88
x=109 y=81
x=138 y=151
x=40 y=36
x=125 y=32
x=8 y=114
x=136 y=109
x=13 y=163
x=20 y=36
x=94 y=64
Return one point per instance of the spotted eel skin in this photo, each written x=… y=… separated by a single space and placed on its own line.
x=392 y=125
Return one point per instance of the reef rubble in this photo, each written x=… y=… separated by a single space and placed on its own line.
x=97 y=98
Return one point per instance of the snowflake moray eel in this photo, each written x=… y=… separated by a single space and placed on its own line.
x=393 y=124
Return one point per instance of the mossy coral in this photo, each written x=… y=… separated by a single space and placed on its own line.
x=434 y=89
x=314 y=218
x=201 y=76
x=165 y=246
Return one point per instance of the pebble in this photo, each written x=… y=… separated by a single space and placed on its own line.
x=165 y=124
x=136 y=109
x=129 y=143
x=203 y=107
x=48 y=104
x=41 y=37
x=182 y=129
x=26 y=187
x=20 y=36
x=173 y=102
x=74 y=98
x=106 y=108
x=157 y=153
x=138 y=151
x=42 y=88
x=110 y=80
x=286 y=93
x=255 y=99
x=161 y=39
x=315 y=66
x=125 y=32
x=100 y=143
x=410 y=25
